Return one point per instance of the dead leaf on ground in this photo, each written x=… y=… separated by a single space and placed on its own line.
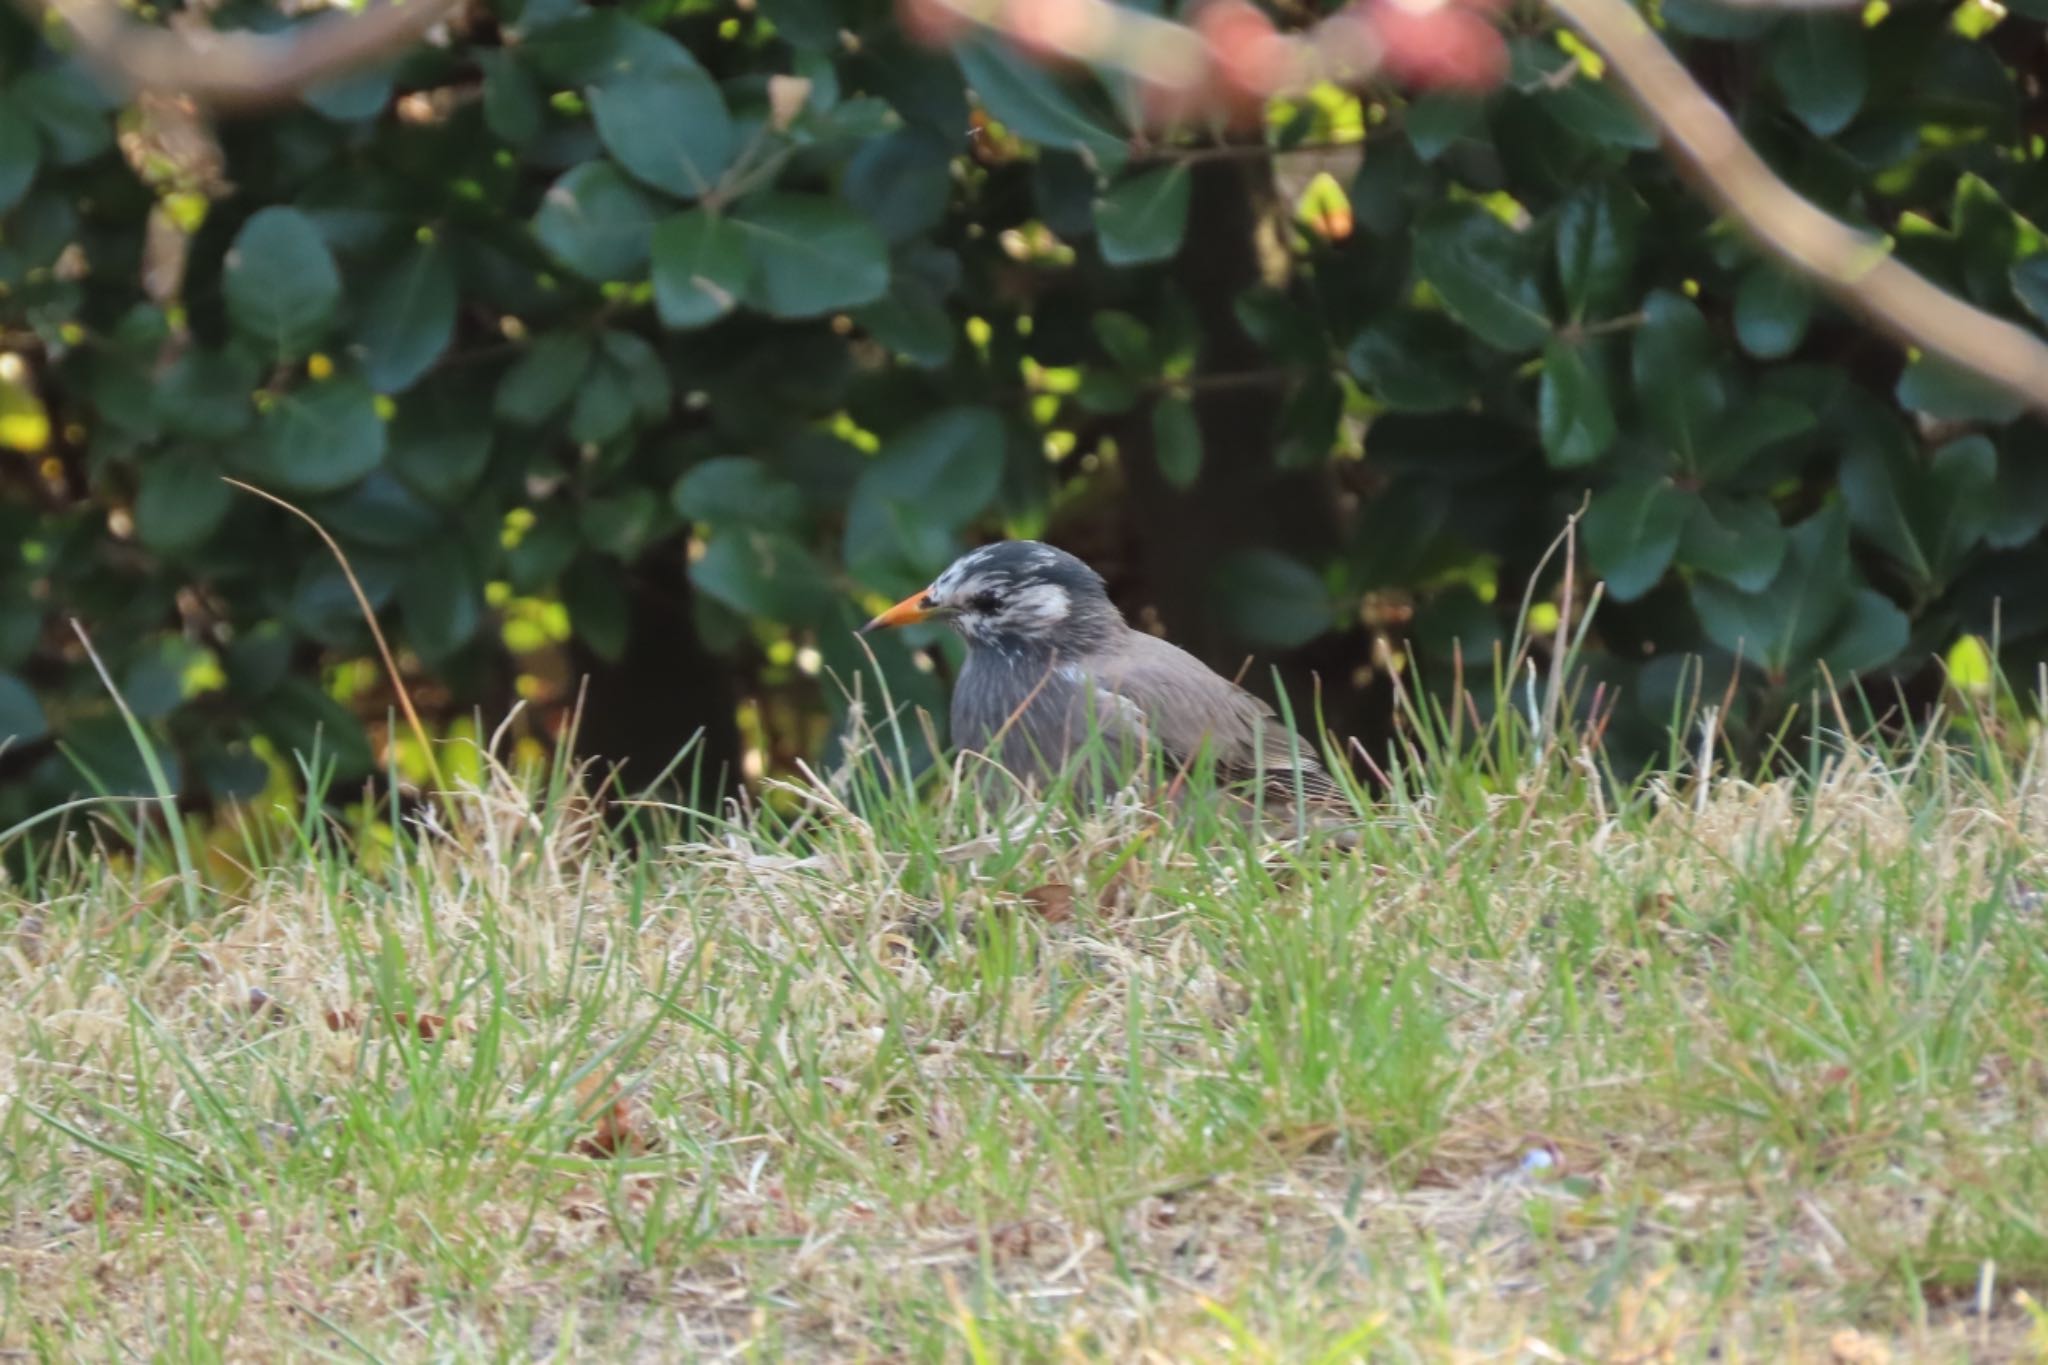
x=621 y=1127
x=1115 y=891
x=429 y=1027
x=1054 y=902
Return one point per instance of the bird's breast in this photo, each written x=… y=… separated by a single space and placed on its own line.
x=1019 y=706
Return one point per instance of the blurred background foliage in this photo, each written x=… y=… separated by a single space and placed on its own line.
x=658 y=344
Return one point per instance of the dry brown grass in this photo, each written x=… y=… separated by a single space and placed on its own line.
x=1749 y=1072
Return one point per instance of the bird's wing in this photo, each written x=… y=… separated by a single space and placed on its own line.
x=1182 y=704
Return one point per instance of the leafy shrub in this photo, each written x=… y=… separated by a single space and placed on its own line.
x=584 y=292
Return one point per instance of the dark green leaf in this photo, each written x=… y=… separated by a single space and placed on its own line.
x=596 y=222
x=281 y=282
x=1388 y=188
x=1396 y=531
x=925 y=482
x=20 y=154
x=1772 y=308
x=1595 y=111
x=763 y=574
x=2029 y=282
x=381 y=512
x=1177 y=440
x=1597 y=233
x=1143 y=218
x=179 y=502
x=1484 y=271
x=622 y=525
x=2019 y=502
x=1927 y=512
x=354 y=98
x=1677 y=377
x=1436 y=120
x=1576 y=412
x=901 y=182
x=1818 y=62
x=258 y=659
x=647 y=384
x=603 y=407
x=441 y=439
x=1713 y=19
x=1632 y=531
x=1749 y=429
x=1939 y=390
x=811 y=255
x=206 y=394
x=809 y=24
x=321 y=437
x=1456 y=624
x=21 y=715
x=671 y=129
x=323 y=606
x=542 y=551
x=21 y=623
x=1870 y=634
x=408 y=319
x=1412 y=362
x=735 y=490
x=846 y=124
x=74 y=113
x=512 y=108
x=154 y=682
x=949 y=462
x=306 y=722
x=1282 y=326
x=536 y=388
x=1106 y=391
x=701 y=268
x=1308 y=423
x=440 y=599
x=911 y=321
x=1739 y=541
x=597 y=46
x=1783 y=624
x=1032 y=104
x=1127 y=341
x=1268 y=597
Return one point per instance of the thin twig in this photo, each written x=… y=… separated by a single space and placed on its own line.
x=412 y=717
x=1856 y=268
x=1168 y=154
x=241 y=69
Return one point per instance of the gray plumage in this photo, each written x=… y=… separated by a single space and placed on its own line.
x=1050 y=661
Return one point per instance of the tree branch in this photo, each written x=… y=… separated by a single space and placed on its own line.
x=241 y=70
x=1856 y=269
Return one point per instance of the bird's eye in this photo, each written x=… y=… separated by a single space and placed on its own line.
x=984 y=602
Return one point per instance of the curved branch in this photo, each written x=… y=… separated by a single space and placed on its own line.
x=242 y=70
x=1855 y=268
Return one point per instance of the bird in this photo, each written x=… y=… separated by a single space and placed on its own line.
x=1048 y=654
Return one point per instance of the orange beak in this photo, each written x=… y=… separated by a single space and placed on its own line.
x=908 y=612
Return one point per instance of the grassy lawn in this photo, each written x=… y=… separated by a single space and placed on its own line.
x=1538 y=1071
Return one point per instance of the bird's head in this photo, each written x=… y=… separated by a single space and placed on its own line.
x=1015 y=594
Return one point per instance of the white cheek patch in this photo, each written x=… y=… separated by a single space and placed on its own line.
x=1041 y=605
